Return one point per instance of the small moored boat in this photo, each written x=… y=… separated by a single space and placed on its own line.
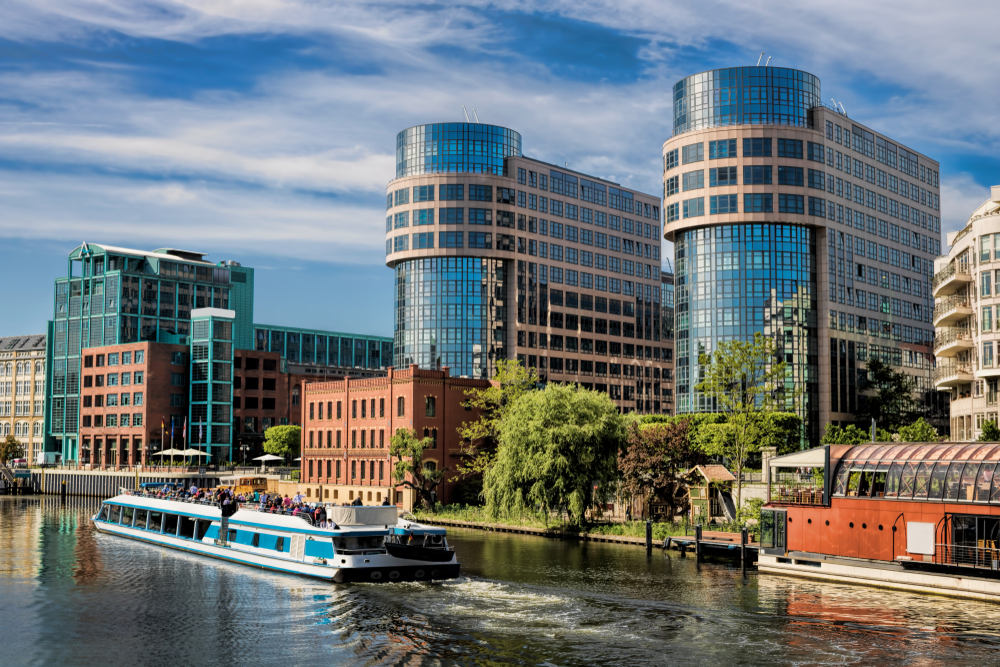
x=365 y=544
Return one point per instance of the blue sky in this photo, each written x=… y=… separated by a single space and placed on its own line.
x=264 y=131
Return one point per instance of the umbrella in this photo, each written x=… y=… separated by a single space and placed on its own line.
x=170 y=452
x=298 y=459
x=194 y=452
x=268 y=457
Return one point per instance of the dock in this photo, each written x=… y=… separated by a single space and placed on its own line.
x=713 y=543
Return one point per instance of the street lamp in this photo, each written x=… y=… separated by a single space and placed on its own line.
x=243 y=448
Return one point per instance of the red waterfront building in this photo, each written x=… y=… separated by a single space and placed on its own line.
x=348 y=423
x=917 y=516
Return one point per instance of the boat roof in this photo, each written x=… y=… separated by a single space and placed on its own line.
x=161 y=505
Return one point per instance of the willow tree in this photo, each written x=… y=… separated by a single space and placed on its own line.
x=480 y=438
x=555 y=446
x=746 y=382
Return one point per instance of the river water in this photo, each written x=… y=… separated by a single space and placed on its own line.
x=70 y=596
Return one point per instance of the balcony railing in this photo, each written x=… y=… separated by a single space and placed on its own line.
x=808 y=493
x=944 y=371
x=948 y=335
x=950 y=271
x=950 y=303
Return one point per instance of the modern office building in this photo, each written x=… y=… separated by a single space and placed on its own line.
x=791 y=219
x=967 y=321
x=501 y=256
x=667 y=335
x=173 y=306
x=22 y=391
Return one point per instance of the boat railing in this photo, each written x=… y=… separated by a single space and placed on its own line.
x=985 y=556
x=258 y=507
x=190 y=501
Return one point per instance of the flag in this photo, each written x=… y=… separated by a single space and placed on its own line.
x=184 y=431
x=201 y=437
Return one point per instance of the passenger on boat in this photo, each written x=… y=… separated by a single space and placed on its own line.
x=357 y=501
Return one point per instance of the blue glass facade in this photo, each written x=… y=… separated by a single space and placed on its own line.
x=442 y=148
x=734 y=280
x=745 y=96
x=451 y=311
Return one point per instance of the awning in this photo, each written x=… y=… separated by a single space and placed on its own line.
x=811 y=458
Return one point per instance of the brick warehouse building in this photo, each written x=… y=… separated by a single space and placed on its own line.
x=347 y=426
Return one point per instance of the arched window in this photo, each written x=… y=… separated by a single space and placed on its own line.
x=4 y=429
x=430 y=466
x=39 y=367
x=21 y=430
x=295 y=395
x=36 y=430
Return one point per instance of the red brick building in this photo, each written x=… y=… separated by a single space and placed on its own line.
x=347 y=425
x=265 y=394
x=126 y=393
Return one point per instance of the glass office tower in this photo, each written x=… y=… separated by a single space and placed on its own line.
x=501 y=256
x=791 y=219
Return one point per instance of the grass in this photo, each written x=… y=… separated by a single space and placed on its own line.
x=662 y=530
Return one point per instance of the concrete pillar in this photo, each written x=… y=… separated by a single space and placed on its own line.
x=767 y=453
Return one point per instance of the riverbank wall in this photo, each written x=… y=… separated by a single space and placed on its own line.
x=105 y=484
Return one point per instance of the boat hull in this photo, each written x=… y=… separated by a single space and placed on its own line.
x=384 y=569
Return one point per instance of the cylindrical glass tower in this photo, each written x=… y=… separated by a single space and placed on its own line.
x=745 y=96
x=442 y=148
x=451 y=289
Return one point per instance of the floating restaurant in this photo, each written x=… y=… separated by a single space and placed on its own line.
x=914 y=516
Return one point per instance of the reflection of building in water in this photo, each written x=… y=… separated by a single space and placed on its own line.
x=21 y=531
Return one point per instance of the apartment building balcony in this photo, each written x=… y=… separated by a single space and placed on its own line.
x=951 y=279
x=949 y=341
x=952 y=309
x=948 y=375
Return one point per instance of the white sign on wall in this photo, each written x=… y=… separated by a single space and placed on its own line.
x=920 y=538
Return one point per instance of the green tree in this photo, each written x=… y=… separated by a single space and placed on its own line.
x=555 y=446
x=10 y=449
x=892 y=404
x=746 y=383
x=411 y=470
x=919 y=431
x=990 y=432
x=845 y=435
x=481 y=437
x=283 y=441
x=653 y=456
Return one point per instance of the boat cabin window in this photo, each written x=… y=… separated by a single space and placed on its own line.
x=127 y=514
x=169 y=524
x=255 y=541
x=976 y=532
x=201 y=529
x=279 y=544
x=140 y=519
x=155 y=521
x=116 y=513
x=187 y=527
x=103 y=514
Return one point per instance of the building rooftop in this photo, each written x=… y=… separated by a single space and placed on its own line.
x=162 y=253
x=22 y=343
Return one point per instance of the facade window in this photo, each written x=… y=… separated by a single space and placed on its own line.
x=790 y=176
x=817 y=179
x=401 y=406
x=694 y=207
x=450 y=239
x=693 y=180
x=816 y=152
x=988 y=354
x=757 y=147
x=791 y=148
x=724 y=148
x=985 y=284
x=757 y=175
x=430 y=406
x=720 y=177
x=693 y=153
x=758 y=203
x=791 y=203
x=722 y=204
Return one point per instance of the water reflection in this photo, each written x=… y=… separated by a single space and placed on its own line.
x=77 y=597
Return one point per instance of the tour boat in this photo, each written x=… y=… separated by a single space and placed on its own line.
x=367 y=544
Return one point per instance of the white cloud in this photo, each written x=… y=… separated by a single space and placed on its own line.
x=961 y=195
